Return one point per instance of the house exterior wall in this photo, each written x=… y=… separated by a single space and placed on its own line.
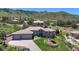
x=47 y=33
x=36 y=33
x=44 y=33
x=75 y=35
x=22 y=36
x=26 y=36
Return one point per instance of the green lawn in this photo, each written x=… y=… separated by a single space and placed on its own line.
x=45 y=47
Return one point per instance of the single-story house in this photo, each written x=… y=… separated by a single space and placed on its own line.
x=30 y=32
x=77 y=25
x=75 y=34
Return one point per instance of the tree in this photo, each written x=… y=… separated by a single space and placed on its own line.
x=74 y=25
x=16 y=27
x=60 y=23
x=2 y=34
x=47 y=22
x=30 y=21
x=57 y=31
x=25 y=25
x=4 y=19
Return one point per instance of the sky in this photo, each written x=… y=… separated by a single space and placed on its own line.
x=69 y=10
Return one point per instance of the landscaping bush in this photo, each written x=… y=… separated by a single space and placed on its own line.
x=57 y=31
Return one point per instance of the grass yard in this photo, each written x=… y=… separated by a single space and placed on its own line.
x=45 y=47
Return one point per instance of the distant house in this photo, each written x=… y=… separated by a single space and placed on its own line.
x=13 y=21
x=75 y=34
x=30 y=32
x=38 y=23
x=77 y=25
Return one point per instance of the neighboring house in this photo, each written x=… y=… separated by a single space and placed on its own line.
x=75 y=34
x=38 y=23
x=14 y=21
x=30 y=32
x=77 y=25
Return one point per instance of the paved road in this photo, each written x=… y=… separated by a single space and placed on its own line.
x=26 y=43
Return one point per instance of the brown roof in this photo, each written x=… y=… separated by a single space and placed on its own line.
x=25 y=31
x=38 y=28
x=48 y=29
x=28 y=30
x=34 y=28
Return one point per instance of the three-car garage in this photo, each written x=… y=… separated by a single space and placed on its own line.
x=22 y=35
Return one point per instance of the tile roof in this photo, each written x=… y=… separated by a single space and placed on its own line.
x=25 y=31
x=48 y=29
x=34 y=28
x=29 y=30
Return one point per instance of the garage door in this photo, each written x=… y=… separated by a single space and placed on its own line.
x=22 y=37
x=26 y=36
x=16 y=37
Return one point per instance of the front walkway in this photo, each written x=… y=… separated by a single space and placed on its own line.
x=26 y=43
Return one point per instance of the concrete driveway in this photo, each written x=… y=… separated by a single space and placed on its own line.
x=26 y=43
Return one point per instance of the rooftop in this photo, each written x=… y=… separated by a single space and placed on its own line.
x=28 y=30
x=77 y=24
x=24 y=31
x=38 y=21
x=38 y=28
x=48 y=29
x=34 y=28
x=75 y=32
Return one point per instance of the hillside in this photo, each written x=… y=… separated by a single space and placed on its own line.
x=11 y=12
x=38 y=15
x=56 y=16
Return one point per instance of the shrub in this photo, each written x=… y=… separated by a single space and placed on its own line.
x=57 y=31
x=74 y=25
x=30 y=21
